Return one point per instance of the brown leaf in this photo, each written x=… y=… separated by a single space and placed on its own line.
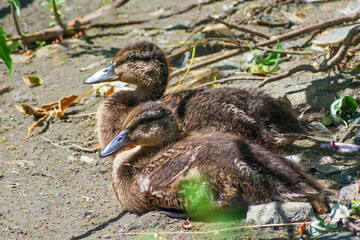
x=187 y=225
x=110 y=91
x=302 y=228
x=66 y=102
x=48 y=105
x=26 y=109
x=4 y=89
x=32 y=80
x=37 y=123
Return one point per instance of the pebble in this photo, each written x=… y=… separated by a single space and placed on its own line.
x=346 y=195
x=279 y=212
x=87 y=159
x=346 y=176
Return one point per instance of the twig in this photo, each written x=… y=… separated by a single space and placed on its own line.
x=272 y=24
x=348 y=132
x=188 y=8
x=242 y=28
x=214 y=231
x=72 y=146
x=310 y=28
x=223 y=56
x=57 y=16
x=337 y=58
x=350 y=225
x=79 y=115
x=273 y=40
x=74 y=26
x=285 y=51
x=230 y=79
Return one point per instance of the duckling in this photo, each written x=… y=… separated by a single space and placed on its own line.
x=142 y=64
x=251 y=114
x=208 y=170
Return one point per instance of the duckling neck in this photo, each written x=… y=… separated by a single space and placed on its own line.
x=146 y=93
x=127 y=178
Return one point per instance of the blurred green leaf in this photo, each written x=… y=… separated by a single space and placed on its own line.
x=17 y=6
x=196 y=195
x=357 y=67
x=356 y=205
x=14 y=45
x=4 y=50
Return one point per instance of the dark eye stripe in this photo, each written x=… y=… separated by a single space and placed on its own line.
x=118 y=63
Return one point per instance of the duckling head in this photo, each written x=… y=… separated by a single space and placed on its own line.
x=150 y=124
x=142 y=63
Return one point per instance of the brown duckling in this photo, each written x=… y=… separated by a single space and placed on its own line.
x=248 y=113
x=207 y=170
x=142 y=64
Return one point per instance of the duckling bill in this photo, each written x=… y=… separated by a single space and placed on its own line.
x=205 y=171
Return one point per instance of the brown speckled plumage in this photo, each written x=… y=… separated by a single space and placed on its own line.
x=147 y=177
x=251 y=114
x=147 y=69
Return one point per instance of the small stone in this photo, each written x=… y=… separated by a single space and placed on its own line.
x=295 y=157
x=72 y=158
x=346 y=195
x=87 y=159
x=346 y=176
x=279 y=212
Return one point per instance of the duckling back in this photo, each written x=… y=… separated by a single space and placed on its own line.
x=248 y=113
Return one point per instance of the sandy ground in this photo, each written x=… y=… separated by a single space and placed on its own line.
x=52 y=191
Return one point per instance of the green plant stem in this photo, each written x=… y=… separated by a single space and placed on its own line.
x=13 y=12
x=57 y=16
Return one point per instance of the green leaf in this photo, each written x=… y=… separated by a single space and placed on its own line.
x=318 y=227
x=275 y=56
x=4 y=50
x=14 y=45
x=47 y=3
x=17 y=6
x=351 y=104
x=357 y=67
x=337 y=106
x=326 y=121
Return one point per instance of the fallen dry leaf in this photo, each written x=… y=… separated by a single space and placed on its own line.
x=4 y=89
x=32 y=80
x=26 y=109
x=47 y=111
x=110 y=91
x=48 y=105
x=302 y=228
x=64 y=103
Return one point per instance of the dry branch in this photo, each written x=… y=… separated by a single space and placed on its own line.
x=188 y=8
x=242 y=28
x=327 y=65
x=311 y=28
x=76 y=25
x=272 y=40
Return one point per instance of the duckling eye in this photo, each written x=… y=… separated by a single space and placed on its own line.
x=143 y=120
x=130 y=58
